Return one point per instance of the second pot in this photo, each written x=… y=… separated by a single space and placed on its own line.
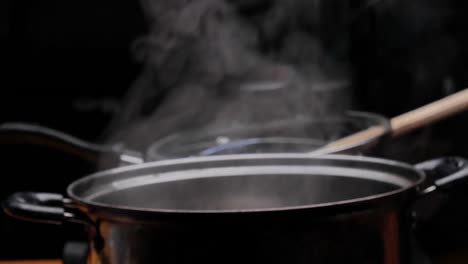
x=299 y=135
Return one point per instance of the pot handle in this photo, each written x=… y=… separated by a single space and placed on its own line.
x=14 y=133
x=36 y=207
x=444 y=173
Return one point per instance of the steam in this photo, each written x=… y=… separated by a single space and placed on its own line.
x=219 y=64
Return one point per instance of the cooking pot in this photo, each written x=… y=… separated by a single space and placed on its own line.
x=255 y=208
x=299 y=135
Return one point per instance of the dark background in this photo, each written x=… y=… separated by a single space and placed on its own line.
x=67 y=65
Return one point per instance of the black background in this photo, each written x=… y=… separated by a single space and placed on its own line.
x=67 y=65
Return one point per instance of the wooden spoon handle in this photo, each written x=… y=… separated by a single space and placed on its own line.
x=430 y=113
x=358 y=137
x=412 y=120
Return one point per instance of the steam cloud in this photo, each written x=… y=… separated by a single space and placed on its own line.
x=219 y=63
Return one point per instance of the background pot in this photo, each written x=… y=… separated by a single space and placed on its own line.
x=296 y=135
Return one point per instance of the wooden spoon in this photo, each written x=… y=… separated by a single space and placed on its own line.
x=407 y=122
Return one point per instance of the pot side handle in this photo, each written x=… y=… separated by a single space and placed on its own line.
x=36 y=207
x=444 y=173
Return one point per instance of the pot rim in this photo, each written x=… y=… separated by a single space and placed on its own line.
x=125 y=211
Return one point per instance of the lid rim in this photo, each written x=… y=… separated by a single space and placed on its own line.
x=418 y=178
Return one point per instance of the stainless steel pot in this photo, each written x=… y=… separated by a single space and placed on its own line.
x=258 y=208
